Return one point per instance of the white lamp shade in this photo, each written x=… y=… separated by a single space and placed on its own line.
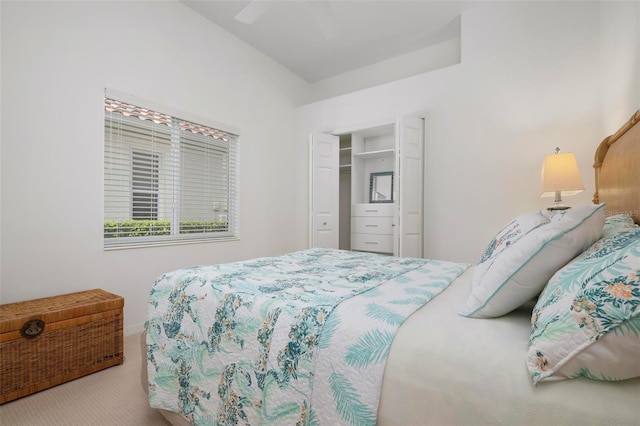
x=560 y=174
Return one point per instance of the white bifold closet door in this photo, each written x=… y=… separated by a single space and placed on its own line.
x=409 y=167
x=324 y=186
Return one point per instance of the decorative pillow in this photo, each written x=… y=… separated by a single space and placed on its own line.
x=618 y=223
x=516 y=229
x=517 y=273
x=587 y=319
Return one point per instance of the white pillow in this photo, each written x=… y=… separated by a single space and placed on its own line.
x=521 y=270
x=512 y=232
x=587 y=319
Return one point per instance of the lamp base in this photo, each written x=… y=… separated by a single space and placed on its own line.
x=555 y=207
x=558 y=204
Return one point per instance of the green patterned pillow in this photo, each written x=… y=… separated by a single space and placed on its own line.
x=587 y=319
x=617 y=223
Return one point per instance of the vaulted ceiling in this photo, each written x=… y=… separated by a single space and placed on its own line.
x=319 y=39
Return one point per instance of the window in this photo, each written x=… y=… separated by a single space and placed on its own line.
x=167 y=179
x=144 y=185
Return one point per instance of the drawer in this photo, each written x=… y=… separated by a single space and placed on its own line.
x=381 y=209
x=372 y=225
x=372 y=242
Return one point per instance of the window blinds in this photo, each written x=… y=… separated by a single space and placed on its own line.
x=166 y=179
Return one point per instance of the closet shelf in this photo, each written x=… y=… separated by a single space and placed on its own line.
x=375 y=154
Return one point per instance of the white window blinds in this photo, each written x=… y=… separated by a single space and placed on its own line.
x=166 y=179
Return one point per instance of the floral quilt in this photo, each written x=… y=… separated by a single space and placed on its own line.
x=300 y=339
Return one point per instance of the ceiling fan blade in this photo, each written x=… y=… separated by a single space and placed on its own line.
x=325 y=18
x=252 y=11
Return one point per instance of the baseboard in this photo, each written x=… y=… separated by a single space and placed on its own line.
x=133 y=329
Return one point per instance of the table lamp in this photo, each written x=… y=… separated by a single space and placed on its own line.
x=560 y=176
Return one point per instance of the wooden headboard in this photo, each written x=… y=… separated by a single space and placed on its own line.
x=617 y=167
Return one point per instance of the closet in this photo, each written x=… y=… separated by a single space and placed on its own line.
x=366 y=187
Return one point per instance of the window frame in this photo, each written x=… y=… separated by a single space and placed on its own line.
x=225 y=142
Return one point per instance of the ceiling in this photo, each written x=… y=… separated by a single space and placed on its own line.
x=319 y=39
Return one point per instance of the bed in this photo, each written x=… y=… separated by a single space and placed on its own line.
x=483 y=345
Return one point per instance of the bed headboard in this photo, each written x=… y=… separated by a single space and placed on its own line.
x=617 y=167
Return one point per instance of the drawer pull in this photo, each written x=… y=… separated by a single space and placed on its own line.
x=32 y=329
x=372 y=211
x=371 y=226
x=371 y=242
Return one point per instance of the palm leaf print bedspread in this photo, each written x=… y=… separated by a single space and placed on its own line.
x=299 y=339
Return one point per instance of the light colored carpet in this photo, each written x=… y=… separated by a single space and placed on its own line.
x=111 y=397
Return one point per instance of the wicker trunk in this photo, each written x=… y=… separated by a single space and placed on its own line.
x=49 y=341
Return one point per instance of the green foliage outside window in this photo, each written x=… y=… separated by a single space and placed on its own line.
x=150 y=228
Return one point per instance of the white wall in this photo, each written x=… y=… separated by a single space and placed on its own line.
x=620 y=48
x=531 y=78
x=57 y=58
